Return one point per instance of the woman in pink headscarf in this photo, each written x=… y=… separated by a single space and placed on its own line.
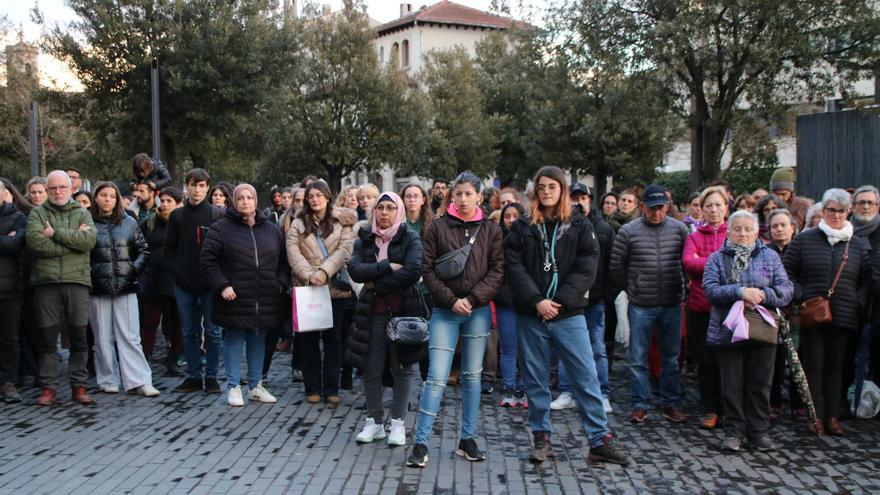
x=387 y=258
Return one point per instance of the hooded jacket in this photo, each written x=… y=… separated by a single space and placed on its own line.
x=250 y=260
x=119 y=257
x=484 y=271
x=698 y=246
x=765 y=272
x=577 y=261
x=65 y=257
x=646 y=262
x=11 y=249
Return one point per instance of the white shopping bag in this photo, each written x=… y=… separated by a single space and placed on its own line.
x=312 y=310
x=621 y=305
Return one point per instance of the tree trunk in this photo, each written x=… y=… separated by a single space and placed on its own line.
x=334 y=178
x=713 y=139
x=707 y=137
x=601 y=179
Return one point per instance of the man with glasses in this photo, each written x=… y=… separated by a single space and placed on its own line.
x=646 y=263
x=60 y=236
x=866 y=222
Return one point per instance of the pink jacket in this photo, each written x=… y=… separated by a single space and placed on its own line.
x=698 y=247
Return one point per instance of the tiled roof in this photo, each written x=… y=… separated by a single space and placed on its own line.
x=446 y=12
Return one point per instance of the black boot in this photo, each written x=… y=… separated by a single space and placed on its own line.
x=171 y=368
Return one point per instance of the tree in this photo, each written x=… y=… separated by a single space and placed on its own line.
x=219 y=62
x=719 y=56
x=340 y=111
x=461 y=135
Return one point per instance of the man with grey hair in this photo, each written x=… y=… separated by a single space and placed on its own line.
x=865 y=218
x=60 y=236
x=12 y=229
x=866 y=221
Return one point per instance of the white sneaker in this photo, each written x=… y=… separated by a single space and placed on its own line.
x=607 y=404
x=110 y=389
x=260 y=394
x=234 y=398
x=397 y=436
x=371 y=432
x=147 y=390
x=564 y=401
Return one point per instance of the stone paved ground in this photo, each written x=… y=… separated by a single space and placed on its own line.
x=194 y=443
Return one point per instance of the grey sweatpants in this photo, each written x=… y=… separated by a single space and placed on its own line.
x=115 y=319
x=373 y=390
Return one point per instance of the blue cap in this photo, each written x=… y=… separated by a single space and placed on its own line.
x=654 y=195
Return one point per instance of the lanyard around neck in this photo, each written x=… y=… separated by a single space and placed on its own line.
x=550 y=259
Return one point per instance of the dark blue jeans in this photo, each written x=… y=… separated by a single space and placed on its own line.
x=641 y=322
x=234 y=339
x=195 y=316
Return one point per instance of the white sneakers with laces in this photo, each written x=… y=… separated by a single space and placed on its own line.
x=371 y=431
x=397 y=435
x=564 y=401
x=234 y=399
x=260 y=394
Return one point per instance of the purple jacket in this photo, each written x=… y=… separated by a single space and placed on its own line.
x=765 y=271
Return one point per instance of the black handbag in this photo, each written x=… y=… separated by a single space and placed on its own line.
x=409 y=330
x=451 y=264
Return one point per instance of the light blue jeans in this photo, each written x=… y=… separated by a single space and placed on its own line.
x=445 y=328
x=255 y=341
x=641 y=322
x=595 y=315
x=569 y=336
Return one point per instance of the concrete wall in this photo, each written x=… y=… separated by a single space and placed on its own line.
x=424 y=38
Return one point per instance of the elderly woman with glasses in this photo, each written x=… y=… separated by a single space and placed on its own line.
x=813 y=260
x=743 y=275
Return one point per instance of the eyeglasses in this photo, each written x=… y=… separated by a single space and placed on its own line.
x=547 y=187
x=866 y=202
x=388 y=208
x=834 y=211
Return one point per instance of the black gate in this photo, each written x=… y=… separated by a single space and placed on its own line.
x=837 y=149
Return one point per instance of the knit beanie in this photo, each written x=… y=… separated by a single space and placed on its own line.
x=782 y=179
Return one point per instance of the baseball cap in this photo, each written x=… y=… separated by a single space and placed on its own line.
x=654 y=195
x=578 y=188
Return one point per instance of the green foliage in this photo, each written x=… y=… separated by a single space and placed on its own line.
x=340 y=111
x=678 y=183
x=716 y=55
x=219 y=62
x=460 y=136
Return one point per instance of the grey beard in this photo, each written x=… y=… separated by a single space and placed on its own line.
x=863 y=219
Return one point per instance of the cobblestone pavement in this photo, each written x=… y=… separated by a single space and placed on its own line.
x=195 y=443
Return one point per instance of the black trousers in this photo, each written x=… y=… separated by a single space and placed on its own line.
x=824 y=349
x=9 y=353
x=707 y=364
x=321 y=355
x=746 y=372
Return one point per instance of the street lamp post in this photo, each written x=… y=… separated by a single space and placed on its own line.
x=154 y=79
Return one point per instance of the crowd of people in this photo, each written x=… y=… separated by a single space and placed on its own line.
x=538 y=286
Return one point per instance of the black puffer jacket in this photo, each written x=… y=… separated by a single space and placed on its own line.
x=577 y=259
x=252 y=261
x=646 y=262
x=811 y=264
x=11 y=249
x=157 y=280
x=405 y=249
x=601 y=289
x=119 y=257
x=484 y=270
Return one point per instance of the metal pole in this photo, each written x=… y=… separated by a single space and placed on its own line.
x=157 y=139
x=34 y=138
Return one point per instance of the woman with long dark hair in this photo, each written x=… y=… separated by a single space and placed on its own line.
x=506 y=316
x=461 y=309
x=119 y=257
x=319 y=243
x=552 y=260
x=418 y=210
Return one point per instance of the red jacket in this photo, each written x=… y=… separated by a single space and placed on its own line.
x=697 y=248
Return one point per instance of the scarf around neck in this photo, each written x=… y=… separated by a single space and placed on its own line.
x=384 y=236
x=836 y=235
x=741 y=256
x=865 y=228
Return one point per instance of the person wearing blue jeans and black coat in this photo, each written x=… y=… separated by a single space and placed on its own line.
x=461 y=308
x=552 y=258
